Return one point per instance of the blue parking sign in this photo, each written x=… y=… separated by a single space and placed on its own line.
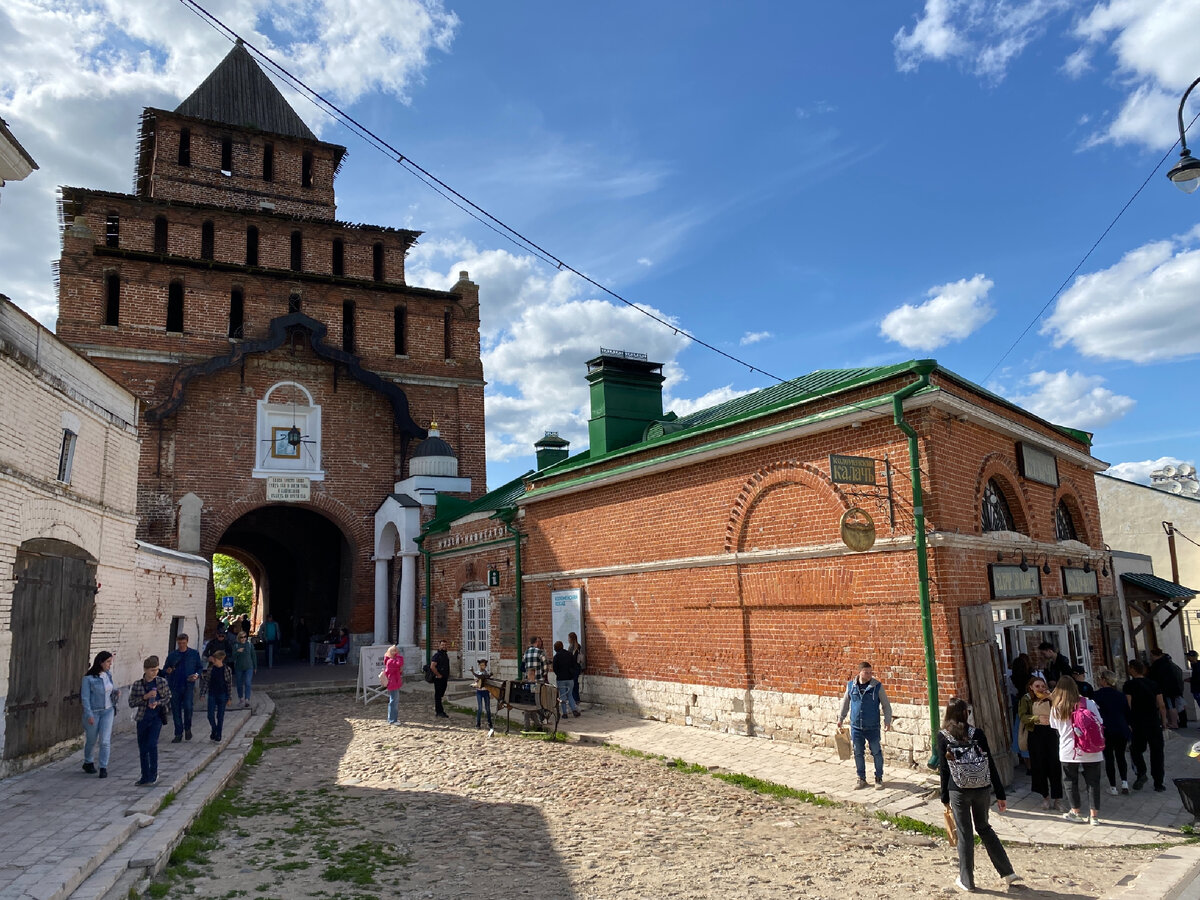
x=226 y=603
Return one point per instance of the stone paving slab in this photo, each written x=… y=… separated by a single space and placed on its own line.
x=1141 y=817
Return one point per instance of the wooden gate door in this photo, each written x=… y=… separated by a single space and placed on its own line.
x=54 y=603
x=985 y=677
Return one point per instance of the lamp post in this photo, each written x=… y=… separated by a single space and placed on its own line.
x=1186 y=172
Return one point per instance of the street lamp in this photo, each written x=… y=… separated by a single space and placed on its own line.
x=1186 y=173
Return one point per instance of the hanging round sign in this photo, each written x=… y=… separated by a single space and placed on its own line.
x=858 y=529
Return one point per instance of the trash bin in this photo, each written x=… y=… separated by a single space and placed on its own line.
x=1189 y=793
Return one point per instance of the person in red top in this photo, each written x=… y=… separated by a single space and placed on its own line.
x=341 y=649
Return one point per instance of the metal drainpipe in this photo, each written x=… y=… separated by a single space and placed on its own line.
x=923 y=368
x=506 y=516
x=420 y=541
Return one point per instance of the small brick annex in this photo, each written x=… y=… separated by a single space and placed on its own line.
x=717 y=591
x=225 y=294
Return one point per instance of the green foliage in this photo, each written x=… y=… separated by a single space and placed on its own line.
x=770 y=788
x=358 y=864
x=916 y=826
x=232 y=579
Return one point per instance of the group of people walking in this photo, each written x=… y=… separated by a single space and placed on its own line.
x=164 y=695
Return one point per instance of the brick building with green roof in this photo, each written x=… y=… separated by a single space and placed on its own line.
x=715 y=583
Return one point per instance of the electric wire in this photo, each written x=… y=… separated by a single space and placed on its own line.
x=1041 y=312
x=432 y=181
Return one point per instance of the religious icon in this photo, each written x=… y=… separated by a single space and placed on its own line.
x=281 y=448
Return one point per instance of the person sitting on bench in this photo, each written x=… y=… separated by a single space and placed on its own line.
x=340 y=651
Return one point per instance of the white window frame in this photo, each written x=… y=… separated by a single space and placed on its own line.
x=476 y=631
x=1005 y=616
x=66 y=455
x=284 y=414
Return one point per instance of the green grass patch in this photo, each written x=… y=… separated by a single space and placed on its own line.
x=771 y=789
x=358 y=864
x=292 y=866
x=166 y=801
x=682 y=765
x=914 y=826
x=259 y=745
x=158 y=889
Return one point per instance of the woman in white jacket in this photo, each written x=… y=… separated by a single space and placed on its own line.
x=1076 y=747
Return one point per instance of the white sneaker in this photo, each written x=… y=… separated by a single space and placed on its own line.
x=1011 y=877
x=1094 y=820
x=1113 y=791
x=962 y=887
x=491 y=731
x=1071 y=816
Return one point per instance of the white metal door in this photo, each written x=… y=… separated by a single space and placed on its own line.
x=1080 y=651
x=476 y=606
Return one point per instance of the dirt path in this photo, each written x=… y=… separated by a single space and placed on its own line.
x=343 y=806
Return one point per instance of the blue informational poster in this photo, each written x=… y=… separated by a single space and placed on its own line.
x=566 y=615
x=227 y=603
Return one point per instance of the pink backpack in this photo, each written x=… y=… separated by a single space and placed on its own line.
x=1085 y=725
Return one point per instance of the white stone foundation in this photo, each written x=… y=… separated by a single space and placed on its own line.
x=804 y=718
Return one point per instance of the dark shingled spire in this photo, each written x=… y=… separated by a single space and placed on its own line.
x=239 y=93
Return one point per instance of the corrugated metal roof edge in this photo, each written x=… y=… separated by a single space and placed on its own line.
x=493 y=499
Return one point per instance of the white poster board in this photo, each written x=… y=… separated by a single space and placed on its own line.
x=369 y=666
x=566 y=615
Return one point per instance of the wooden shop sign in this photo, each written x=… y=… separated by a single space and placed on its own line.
x=1010 y=581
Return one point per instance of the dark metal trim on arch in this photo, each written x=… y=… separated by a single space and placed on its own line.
x=277 y=336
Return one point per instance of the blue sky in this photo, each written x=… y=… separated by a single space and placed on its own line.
x=804 y=185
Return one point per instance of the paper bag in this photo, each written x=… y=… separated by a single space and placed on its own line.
x=951 y=828
x=841 y=741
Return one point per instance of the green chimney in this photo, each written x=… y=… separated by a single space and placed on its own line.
x=626 y=397
x=551 y=449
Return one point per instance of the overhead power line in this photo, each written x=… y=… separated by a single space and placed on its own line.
x=445 y=190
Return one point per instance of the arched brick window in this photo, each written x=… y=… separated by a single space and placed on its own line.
x=1064 y=523
x=996 y=516
x=175 y=307
x=237 y=313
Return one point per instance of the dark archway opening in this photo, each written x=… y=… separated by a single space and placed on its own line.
x=301 y=563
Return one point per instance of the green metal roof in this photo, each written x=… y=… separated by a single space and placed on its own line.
x=503 y=497
x=1168 y=590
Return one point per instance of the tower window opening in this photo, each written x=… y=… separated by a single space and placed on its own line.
x=175 y=307
x=293 y=303
x=297 y=251
x=112 y=230
x=377 y=261
x=268 y=162
x=401 y=330
x=160 y=234
x=306 y=169
x=339 y=257
x=252 y=246
x=185 y=147
x=446 y=335
x=348 y=326
x=226 y=156
x=237 y=313
x=112 y=299
x=207 y=239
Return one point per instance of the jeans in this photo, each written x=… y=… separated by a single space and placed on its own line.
x=1148 y=736
x=565 y=699
x=1114 y=756
x=100 y=732
x=575 y=690
x=859 y=736
x=271 y=653
x=147 y=738
x=216 y=713
x=1091 y=777
x=336 y=654
x=242 y=681
x=483 y=702
x=970 y=810
x=393 y=706
x=439 y=691
x=183 y=702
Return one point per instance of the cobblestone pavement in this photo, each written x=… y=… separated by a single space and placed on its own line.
x=344 y=806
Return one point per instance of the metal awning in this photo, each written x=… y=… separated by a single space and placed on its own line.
x=1167 y=590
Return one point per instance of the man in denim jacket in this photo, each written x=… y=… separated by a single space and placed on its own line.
x=862 y=701
x=183 y=669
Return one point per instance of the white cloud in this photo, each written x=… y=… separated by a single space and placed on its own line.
x=76 y=74
x=753 y=337
x=643 y=261
x=819 y=108
x=1141 y=309
x=1139 y=472
x=1072 y=399
x=1078 y=63
x=952 y=312
x=983 y=36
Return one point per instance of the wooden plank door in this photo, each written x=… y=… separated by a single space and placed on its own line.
x=985 y=679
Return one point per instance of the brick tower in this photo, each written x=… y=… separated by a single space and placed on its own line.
x=285 y=368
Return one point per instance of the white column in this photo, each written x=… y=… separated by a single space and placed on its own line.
x=381 y=600
x=408 y=598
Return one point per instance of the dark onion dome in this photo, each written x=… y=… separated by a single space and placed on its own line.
x=433 y=456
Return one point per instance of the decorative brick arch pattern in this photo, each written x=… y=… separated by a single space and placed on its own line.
x=1004 y=470
x=770 y=480
x=1069 y=494
x=355 y=528
x=61 y=521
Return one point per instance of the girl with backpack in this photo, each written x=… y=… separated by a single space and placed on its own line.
x=1080 y=745
x=968 y=778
